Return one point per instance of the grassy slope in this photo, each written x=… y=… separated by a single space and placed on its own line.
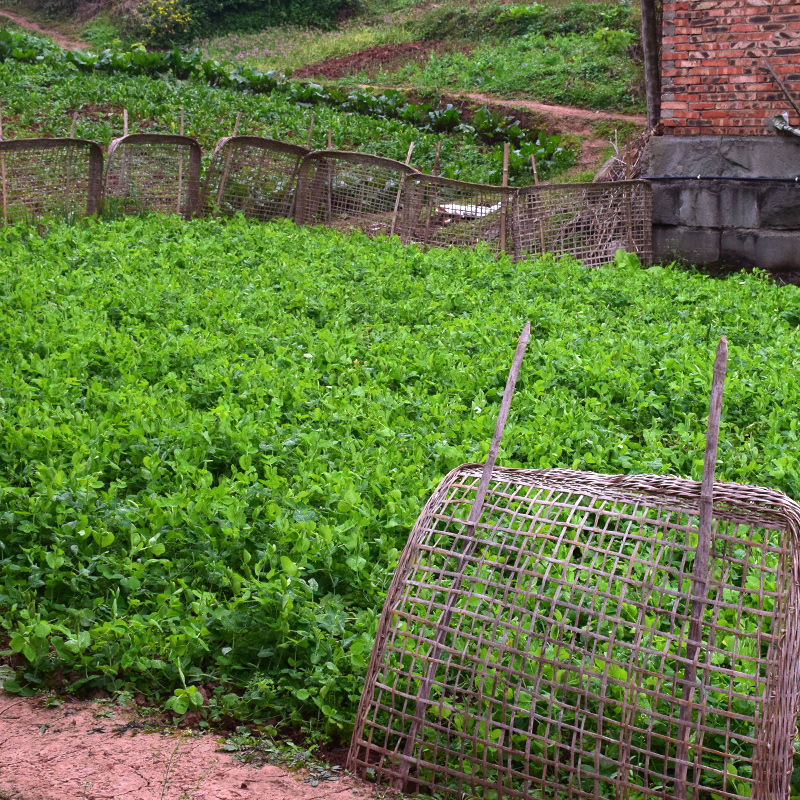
x=216 y=436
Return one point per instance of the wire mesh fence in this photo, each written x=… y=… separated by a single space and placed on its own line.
x=253 y=175
x=49 y=177
x=446 y=213
x=351 y=190
x=547 y=654
x=153 y=172
x=589 y=221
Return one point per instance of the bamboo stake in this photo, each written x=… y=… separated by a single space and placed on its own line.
x=629 y=206
x=310 y=131
x=400 y=191
x=180 y=164
x=503 y=199
x=435 y=173
x=329 y=211
x=124 y=159
x=227 y=168
x=700 y=571
x=3 y=176
x=476 y=511
x=68 y=180
x=536 y=183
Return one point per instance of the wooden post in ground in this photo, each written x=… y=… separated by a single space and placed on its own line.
x=329 y=210
x=3 y=177
x=180 y=163
x=629 y=206
x=227 y=168
x=400 y=191
x=536 y=183
x=435 y=173
x=503 y=199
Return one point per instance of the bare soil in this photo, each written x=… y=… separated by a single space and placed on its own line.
x=58 y=38
x=99 y=751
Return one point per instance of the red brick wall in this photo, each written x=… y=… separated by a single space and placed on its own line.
x=713 y=76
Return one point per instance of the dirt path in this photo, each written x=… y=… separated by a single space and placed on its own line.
x=97 y=751
x=58 y=38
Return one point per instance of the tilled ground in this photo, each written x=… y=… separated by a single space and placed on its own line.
x=97 y=751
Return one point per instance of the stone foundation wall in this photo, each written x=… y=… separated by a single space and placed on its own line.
x=726 y=201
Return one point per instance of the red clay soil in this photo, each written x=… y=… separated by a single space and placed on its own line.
x=58 y=38
x=91 y=751
x=370 y=61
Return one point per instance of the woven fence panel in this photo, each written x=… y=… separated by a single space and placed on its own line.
x=253 y=175
x=446 y=213
x=545 y=655
x=350 y=190
x=589 y=221
x=153 y=172
x=49 y=177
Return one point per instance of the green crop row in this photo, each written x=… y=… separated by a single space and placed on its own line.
x=216 y=436
x=191 y=71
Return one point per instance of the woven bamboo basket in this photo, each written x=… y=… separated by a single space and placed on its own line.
x=589 y=221
x=560 y=634
x=448 y=213
x=254 y=176
x=351 y=190
x=49 y=177
x=153 y=172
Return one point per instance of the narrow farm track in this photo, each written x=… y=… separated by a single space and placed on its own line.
x=58 y=38
x=103 y=752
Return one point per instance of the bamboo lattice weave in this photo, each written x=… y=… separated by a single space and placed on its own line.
x=448 y=213
x=49 y=177
x=589 y=221
x=560 y=671
x=153 y=172
x=253 y=175
x=350 y=190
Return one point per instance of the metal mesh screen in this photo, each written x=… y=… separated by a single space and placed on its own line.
x=350 y=190
x=49 y=177
x=445 y=212
x=589 y=221
x=253 y=175
x=544 y=656
x=153 y=172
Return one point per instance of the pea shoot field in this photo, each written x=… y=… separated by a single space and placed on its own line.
x=215 y=437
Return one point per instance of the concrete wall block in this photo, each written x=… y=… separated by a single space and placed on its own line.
x=780 y=207
x=699 y=205
x=739 y=205
x=727 y=156
x=772 y=250
x=666 y=201
x=699 y=246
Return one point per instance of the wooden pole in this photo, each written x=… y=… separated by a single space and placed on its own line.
x=3 y=176
x=629 y=206
x=68 y=180
x=227 y=168
x=435 y=173
x=400 y=191
x=536 y=183
x=124 y=156
x=700 y=571
x=180 y=163
x=506 y=147
x=476 y=511
x=124 y=121
x=329 y=211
